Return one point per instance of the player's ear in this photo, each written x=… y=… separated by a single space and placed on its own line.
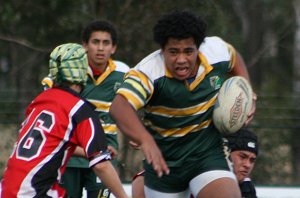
x=85 y=46
x=114 y=49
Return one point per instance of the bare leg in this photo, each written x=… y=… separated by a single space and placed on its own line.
x=221 y=188
x=138 y=187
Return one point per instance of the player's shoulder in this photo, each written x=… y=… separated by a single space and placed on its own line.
x=215 y=49
x=152 y=65
x=247 y=188
x=213 y=41
x=121 y=66
x=59 y=99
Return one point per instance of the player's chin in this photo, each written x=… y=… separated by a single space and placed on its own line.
x=241 y=178
x=101 y=61
x=243 y=175
x=181 y=77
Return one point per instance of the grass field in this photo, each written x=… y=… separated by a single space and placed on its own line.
x=9 y=134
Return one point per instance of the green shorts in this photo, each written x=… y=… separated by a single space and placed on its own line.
x=74 y=179
x=179 y=177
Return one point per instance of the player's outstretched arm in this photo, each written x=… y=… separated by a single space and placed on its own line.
x=108 y=175
x=129 y=123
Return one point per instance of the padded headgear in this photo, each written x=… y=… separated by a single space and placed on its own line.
x=68 y=63
x=243 y=140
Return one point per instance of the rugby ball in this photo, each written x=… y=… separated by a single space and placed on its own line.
x=234 y=102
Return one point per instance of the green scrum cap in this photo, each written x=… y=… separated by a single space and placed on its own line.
x=68 y=63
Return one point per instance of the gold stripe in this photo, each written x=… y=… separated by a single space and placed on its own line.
x=137 y=86
x=109 y=69
x=233 y=55
x=171 y=112
x=183 y=131
x=133 y=99
x=207 y=69
x=110 y=129
x=144 y=80
x=101 y=105
x=168 y=73
x=47 y=81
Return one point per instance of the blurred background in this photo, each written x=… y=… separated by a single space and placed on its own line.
x=265 y=32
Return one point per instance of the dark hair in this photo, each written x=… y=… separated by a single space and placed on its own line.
x=179 y=25
x=243 y=139
x=99 y=26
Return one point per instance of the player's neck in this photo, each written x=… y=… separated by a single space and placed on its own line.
x=76 y=88
x=98 y=68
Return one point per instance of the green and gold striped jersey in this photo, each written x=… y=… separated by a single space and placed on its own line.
x=101 y=92
x=179 y=114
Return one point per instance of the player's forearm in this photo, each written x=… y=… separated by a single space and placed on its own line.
x=130 y=124
x=127 y=120
x=108 y=175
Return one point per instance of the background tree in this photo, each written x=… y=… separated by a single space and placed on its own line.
x=295 y=146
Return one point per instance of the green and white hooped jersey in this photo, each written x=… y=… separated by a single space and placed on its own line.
x=177 y=112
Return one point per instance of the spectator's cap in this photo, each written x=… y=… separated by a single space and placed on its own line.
x=68 y=63
x=243 y=140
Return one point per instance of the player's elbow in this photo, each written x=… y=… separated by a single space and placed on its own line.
x=116 y=106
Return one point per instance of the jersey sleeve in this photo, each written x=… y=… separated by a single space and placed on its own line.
x=232 y=53
x=91 y=137
x=137 y=88
x=217 y=50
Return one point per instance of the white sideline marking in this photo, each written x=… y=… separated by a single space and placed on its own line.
x=262 y=192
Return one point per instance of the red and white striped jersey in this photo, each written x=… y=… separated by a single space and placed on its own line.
x=56 y=122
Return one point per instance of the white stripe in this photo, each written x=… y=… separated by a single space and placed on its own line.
x=138 y=80
x=93 y=134
x=99 y=159
x=0 y=188
x=122 y=67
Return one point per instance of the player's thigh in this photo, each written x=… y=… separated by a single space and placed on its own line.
x=72 y=182
x=93 y=184
x=137 y=187
x=91 y=181
x=215 y=184
x=156 y=194
x=95 y=187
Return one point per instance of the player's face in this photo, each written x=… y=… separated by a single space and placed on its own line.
x=99 y=49
x=181 y=58
x=243 y=163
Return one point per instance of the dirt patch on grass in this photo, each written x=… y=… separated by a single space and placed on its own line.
x=8 y=136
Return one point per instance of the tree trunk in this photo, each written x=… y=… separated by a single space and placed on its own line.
x=250 y=15
x=296 y=89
